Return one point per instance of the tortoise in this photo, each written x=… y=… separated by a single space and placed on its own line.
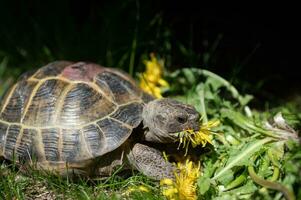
x=82 y=118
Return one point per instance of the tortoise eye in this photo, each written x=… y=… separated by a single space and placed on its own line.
x=181 y=119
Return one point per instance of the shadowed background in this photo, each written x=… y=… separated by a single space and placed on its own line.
x=254 y=47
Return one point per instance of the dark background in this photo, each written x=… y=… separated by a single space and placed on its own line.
x=256 y=47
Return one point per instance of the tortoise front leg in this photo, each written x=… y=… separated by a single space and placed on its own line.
x=150 y=162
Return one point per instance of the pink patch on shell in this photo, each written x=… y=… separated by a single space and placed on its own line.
x=82 y=71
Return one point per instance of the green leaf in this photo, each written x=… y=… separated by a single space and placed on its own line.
x=276 y=152
x=241 y=157
x=264 y=169
x=248 y=188
x=226 y=178
x=214 y=83
x=245 y=123
x=244 y=100
x=203 y=184
x=190 y=76
x=238 y=181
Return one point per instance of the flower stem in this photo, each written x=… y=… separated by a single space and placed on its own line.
x=275 y=174
x=228 y=85
x=237 y=182
x=203 y=107
x=289 y=195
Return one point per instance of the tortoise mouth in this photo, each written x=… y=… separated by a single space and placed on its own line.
x=194 y=128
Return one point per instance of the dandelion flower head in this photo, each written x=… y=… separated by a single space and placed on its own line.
x=151 y=81
x=184 y=186
x=199 y=137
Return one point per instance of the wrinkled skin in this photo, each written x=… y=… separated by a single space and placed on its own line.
x=165 y=117
x=162 y=119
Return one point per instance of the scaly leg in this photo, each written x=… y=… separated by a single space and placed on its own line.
x=150 y=162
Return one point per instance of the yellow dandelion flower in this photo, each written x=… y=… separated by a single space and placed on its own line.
x=184 y=187
x=140 y=188
x=166 y=181
x=151 y=80
x=143 y=188
x=200 y=137
x=170 y=193
x=163 y=83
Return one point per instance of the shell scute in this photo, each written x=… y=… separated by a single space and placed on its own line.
x=11 y=140
x=15 y=100
x=122 y=90
x=24 y=149
x=51 y=69
x=81 y=71
x=42 y=106
x=95 y=139
x=51 y=139
x=129 y=114
x=3 y=129
x=82 y=105
x=115 y=133
x=71 y=145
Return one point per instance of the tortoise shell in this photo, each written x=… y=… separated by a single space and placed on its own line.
x=68 y=112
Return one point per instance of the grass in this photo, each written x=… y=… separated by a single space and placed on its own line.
x=34 y=185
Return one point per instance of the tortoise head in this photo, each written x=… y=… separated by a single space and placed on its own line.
x=166 y=117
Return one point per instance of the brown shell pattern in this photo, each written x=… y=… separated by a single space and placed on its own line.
x=68 y=112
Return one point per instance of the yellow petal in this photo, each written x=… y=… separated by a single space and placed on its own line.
x=163 y=83
x=157 y=92
x=184 y=187
x=143 y=188
x=153 y=78
x=166 y=181
x=170 y=192
x=211 y=124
